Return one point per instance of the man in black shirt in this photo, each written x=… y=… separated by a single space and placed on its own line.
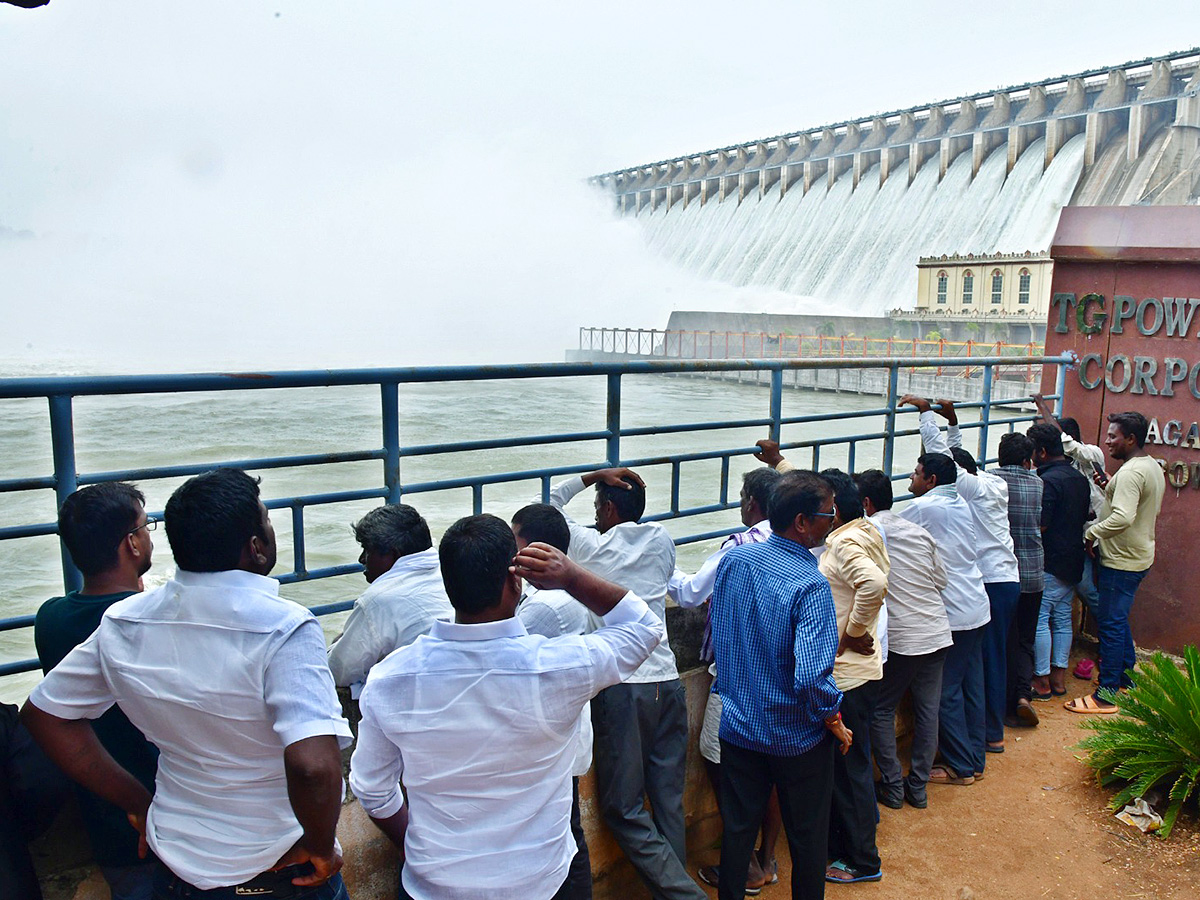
x=107 y=533
x=1066 y=498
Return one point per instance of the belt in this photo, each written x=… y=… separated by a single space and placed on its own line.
x=265 y=886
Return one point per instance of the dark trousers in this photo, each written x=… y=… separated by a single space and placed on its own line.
x=923 y=676
x=805 y=787
x=960 y=715
x=578 y=885
x=640 y=751
x=853 y=814
x=1003 y=597
x=1022 y=634
x=1117 y=589
x=268 y=886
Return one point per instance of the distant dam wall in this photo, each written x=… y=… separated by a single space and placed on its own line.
x=843 y=212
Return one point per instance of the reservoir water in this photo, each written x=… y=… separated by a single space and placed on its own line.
x=115 y=433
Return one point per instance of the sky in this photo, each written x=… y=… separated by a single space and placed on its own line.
x=301 y=185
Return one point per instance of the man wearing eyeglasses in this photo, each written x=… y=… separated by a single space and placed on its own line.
x=107 y=532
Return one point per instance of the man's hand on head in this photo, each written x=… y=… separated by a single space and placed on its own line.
x=615 y=477
x=864 y=644
x=768 y=452
x=946 y=410
x=545 y=567
x=920 y=403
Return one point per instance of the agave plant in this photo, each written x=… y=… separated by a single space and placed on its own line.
x=1155 y=741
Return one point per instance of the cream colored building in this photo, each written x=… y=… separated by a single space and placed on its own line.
x=1011 y=284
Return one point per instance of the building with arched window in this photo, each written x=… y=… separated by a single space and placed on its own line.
x=1015 y=294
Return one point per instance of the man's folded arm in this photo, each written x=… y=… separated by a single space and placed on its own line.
x=870 y=586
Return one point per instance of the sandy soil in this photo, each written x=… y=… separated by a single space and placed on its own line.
x=1036 y=826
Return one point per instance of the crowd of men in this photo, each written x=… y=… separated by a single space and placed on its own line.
x=200 y=722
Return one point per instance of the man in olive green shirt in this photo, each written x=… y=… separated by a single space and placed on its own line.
x=1124 y=540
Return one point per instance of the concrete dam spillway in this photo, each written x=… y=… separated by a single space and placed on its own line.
x=841 y=214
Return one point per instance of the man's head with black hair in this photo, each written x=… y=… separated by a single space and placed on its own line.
x=541 y=523
x=964 y=459
x=475 y=555
x=757 y=485
x=615 y=505
x=875 y=488
x=386 y=534
x=216 y=523
x=94 y=522
x=932 y=470
x=1127 y=433
x=1016 y=450
x=845 y=496
x=802 y=507
x=1070 y=427
x=1047 y=442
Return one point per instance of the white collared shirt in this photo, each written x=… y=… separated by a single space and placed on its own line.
x=917 y=614
x=221 y=674
x=553 y=614
x=946 y=516
x=640 y=557
x=481 y=722
x=690 y=591
x=396 y=608
x=987 y=496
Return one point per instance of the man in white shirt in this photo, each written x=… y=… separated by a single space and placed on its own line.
x=938 y=509
x=987 y=496
x=690 y=591
x=229 y=681
x=405 y=597
x=920 y=637
x=481 y=720
x=640 y=725
x=554 y=613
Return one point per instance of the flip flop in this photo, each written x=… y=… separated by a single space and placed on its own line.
x=1049 y=695
x=1058 y=693
x=1084 y=670
x=942 y=775
x=1087 y=705
x=855 y=874
x=994 y=747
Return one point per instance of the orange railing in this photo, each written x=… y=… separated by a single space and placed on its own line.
x=677 y=344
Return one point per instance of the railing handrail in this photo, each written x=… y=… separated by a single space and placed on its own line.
x=60 y=392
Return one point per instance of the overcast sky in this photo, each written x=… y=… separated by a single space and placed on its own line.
x=301 y=184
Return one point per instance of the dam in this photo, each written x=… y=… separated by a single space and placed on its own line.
x=841 y=214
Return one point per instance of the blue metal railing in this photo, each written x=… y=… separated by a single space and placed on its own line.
x=60 y=393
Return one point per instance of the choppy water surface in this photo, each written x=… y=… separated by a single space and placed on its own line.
x=115 y=433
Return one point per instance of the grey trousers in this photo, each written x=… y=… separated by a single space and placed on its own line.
x=923 y=675
x=640 y=750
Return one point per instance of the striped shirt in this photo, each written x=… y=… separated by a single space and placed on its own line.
x=1025 y=524
x=775 y=636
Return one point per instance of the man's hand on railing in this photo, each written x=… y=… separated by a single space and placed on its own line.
x=946 y=410
x=920 y=403
x=768 y=452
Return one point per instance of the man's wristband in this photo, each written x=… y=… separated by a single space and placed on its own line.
x=834 y=719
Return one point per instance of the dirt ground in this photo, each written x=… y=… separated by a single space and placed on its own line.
x=1037 y=825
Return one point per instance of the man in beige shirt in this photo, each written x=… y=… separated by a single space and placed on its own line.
x=1124 y=541
x=856 y=563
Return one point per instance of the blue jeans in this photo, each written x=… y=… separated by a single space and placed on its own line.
x=960 y=715
x=1004 y=597
x=1086 y=589
x=167 y=886
x=1117 y=588
x=1053 y=644
x=130 y=882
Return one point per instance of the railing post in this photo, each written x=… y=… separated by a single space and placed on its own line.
x=389 y=396
x=299 y=563
x=613 y=444
x=1060 y=388
x=776 y=403
x=889 y=443
x=62 y=441
x=987 y=415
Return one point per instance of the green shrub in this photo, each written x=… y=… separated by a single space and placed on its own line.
x=1155 y=741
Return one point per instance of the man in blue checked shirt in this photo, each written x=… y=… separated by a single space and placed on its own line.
x=775 y=636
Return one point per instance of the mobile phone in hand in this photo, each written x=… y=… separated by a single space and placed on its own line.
x=1101 y=475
